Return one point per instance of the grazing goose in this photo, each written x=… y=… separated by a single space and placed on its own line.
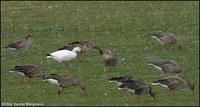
x=21 y=44
x=64 y=55
x=174 y=83
x=119 y=80
x=109 y=59
x=168 y=66
x=64 y=81
x=167 y=38
x=85 y=45
x=138 y=88
x=27 y=70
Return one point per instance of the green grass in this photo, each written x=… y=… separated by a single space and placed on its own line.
x=125 y=27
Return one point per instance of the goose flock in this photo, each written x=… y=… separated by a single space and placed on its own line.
x=134 y=86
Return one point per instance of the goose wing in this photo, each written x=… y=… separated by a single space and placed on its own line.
x=167 y=81
x=15 y=44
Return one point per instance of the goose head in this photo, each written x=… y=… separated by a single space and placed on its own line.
x=77 y=49
x=179 y=46
x=152 y=94
x=191 y=85
x=28 y=36
x=109 y=51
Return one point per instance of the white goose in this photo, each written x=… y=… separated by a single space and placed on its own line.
x=64 y=55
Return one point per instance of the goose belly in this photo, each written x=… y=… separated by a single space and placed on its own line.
x=131 y=91
x=154 y=37
x=117 y=83
x=160 y=85
x=18 y=73
x=53 y=81
x=157 y=67
x=12 y=49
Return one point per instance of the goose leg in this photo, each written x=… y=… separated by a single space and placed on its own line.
x=114 y=67
x=172 y=93
x=129 y=99
x=192 y=92
x=104 y=68
x=66 y=64
x=30 y=81
x=21 y=82
x=138 y=98
x=60 y=90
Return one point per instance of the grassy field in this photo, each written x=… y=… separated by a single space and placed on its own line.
x=125 y=27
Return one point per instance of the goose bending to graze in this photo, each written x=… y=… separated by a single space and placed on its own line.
x=85 y=45
x=119 y=80
x=28 y=71
x=159 y=63
x=134 y=86
x=174 y=83
x=167 y=38
x=21 y=44
x=168 y=66
x=109 y=59
x=64 y=55
x=64 y=81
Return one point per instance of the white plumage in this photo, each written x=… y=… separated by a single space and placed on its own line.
x=117 y=83
x=160 y=85
x=156 y=66
x=53 y=81
x=154 y=37
x=19 y=73
x=64 y=55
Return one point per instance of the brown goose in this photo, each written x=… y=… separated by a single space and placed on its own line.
x=85 y=45
x=167 y=38
x=137 y=87
x=168 y=66
x=109 y=59
x=21 y=44
x=28 y=71
x=174 y=83
x=64 y=81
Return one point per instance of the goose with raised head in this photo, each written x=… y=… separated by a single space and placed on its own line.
x=109 y=59
x=27 y=70
x=64 y=81
x=20 y=44
x=167 y=39
x=174 y=83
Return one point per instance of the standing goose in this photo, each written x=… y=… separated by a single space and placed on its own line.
x=64 y=81
x=109 y=59
x=138 y=88
x=21 y=44
x=28 y=71
x=174 y=83
x=168 y=66
x=167 y=38
x=85 y=45
x=64 y=55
